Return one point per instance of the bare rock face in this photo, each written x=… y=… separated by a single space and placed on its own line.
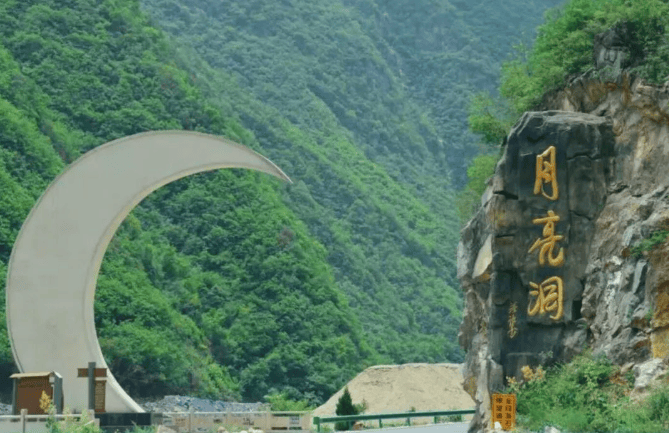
x=612 y=49
x=550 y=264
x=645 y=373
x=626 y=297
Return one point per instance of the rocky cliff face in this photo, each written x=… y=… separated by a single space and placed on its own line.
x=548 y=265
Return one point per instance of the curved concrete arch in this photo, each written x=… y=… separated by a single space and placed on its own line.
x=56 y=258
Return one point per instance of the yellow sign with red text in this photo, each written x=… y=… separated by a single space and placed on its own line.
x=504 y=410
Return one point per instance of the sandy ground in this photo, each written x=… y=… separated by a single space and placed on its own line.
x=399 y=388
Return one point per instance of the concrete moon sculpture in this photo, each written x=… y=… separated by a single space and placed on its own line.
x=56 y=258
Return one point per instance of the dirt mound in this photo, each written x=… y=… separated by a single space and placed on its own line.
x=400 y=388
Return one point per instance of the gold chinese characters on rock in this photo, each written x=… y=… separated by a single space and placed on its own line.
x=547 y=173
x=548 y=296
x=546 y=244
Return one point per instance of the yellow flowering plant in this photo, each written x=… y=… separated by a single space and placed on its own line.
x=46 y=404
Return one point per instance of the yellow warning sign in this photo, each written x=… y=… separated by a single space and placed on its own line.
x=504 y=410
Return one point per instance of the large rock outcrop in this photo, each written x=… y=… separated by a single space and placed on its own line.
x=609 y=146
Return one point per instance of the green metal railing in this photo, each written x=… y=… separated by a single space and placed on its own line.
x=381 y=416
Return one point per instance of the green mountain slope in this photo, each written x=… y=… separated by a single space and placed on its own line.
x=444 y=51
x=393 y=254
x=331 y=70
x=229 y=284
x=196 y=294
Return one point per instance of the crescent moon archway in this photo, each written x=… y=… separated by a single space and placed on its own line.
x=56 y=258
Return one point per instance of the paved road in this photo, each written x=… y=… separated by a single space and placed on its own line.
x=456 y=427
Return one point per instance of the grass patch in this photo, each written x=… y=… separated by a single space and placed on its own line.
x=587 y=395
x=658 y=237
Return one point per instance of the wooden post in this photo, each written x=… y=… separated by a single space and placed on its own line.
x=15 y=396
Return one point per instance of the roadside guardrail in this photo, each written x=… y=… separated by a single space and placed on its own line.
x=381 y=416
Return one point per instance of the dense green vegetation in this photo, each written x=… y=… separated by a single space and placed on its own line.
x=480 y=170
x=563 y=48
x=371 y=76
x=588 y=395
x=279 y=402
x=195 y=295
x=392 y=255
x=229 y=284
x=396 y=75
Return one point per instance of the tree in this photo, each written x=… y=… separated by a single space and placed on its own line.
x=480 y=169
x=492 y=118
x=345 y=407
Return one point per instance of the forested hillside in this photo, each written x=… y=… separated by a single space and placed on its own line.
x=446 y=51
x=229 y=284
x=212 y=286
x=336 y=70
x=563 y=51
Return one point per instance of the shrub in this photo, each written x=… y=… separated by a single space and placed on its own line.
x=573 y=396
x=563 y=48
x=491 y=118
x=656 y=238
x=565 y=42
x=454 y=418
x=658 y=405
x=345 y=407
x=587 y=395
x=478 y=172
x=281 y=402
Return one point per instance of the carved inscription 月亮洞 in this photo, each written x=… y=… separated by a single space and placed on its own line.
x=547 y=296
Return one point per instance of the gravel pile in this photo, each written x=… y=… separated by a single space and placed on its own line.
x=178 y=403
x=5 y=409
